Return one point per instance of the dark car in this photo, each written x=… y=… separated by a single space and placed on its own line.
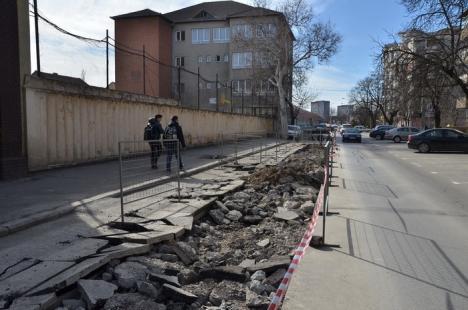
x=439 y=139
x=351 y=134
x=379 y=131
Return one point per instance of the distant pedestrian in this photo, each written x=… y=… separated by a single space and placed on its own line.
x=173 y=131
x=153 y=133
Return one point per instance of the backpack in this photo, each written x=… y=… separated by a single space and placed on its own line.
x=148 y=132
x=170 y=133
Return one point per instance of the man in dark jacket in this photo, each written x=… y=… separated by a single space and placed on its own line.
x=156 y=132
x=174 y=131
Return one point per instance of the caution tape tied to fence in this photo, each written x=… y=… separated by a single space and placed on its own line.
x=300 y=250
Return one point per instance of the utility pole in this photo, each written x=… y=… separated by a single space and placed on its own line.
x=144 y=70
x=217 y=101
x=36 y=24
x=198 y=88
x=107 y=58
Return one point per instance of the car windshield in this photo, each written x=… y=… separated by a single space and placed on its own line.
x=346 y=126
x=352 y=130
x=291 y=127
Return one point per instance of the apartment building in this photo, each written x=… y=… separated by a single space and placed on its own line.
x=322 y=108
x=212 y=64
x=415 y=98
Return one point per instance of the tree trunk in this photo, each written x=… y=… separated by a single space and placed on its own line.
x=436 y=116
x=282 y=117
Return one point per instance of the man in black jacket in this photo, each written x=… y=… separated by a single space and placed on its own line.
x=156 y=132
x=174 y=131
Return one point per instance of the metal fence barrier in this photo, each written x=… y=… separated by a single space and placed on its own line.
x=148 y=168
x=152 y=168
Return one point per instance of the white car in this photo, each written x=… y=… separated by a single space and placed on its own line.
x=344 y=127
x=294 y=132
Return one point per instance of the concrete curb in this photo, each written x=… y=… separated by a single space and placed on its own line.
x=26 y=222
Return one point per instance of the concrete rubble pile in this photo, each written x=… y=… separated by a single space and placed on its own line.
x=234 y=256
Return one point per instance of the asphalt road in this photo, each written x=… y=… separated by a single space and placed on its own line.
x=400 y=236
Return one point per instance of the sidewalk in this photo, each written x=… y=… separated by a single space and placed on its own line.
x=53 y=193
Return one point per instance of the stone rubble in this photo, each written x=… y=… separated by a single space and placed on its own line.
x=235 y=255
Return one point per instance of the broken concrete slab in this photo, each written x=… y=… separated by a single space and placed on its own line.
x=253 y=300
x=71 y=275
x=247 y=263
x=271 y=265
x=182 y=249
x=166 y=233
x=178 y=294
x=286 y=215
x=79 y=249
x=40 y=302
x=96 y=292
x=24 y=281
x=276 y=277
x=125 y=249
x=17 y=267
x=161 y=278
x=128 y=273
x=183 y=221
x=263 y=243
x=234 y=273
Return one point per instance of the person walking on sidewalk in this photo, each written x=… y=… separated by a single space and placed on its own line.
x=153 y=132
x=174 y=131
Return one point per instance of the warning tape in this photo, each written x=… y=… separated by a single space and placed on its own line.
x=300 y=250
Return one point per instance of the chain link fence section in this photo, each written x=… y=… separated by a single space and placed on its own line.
x=148 y=168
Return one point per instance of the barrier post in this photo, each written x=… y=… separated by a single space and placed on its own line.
x=178 y=170
x=325 y=185
x=121 y=185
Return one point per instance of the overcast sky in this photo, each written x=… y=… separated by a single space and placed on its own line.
x=361 y=23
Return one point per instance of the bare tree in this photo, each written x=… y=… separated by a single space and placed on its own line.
x=362 y=96
x=301 y=99
x=295 y=41
x=435 y=37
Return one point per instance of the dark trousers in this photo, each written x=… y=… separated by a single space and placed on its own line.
x=156 y=149
x=172 y=150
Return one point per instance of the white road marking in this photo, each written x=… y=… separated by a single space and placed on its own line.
x=434 y=172
x=417 y=165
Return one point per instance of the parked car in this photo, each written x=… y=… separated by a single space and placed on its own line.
x=294 y=132
x=345 y=126
x=379 y=131
x=360 y=128
x=400 y=134
x=439 y=139
x=351 y=134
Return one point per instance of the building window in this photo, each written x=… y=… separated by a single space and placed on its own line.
x=208 y=58
x=241 y=60
x=200 y=59
x=218 y=58
x=180 y=35
x=221 y=35
x=241 y=87
x=265 y=86
x=226 y=57
x=200 y=35
x=242 y=31
x=266 y=30
x=180 y=61
x=209 y=85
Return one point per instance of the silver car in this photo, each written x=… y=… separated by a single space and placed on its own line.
x=400 y=134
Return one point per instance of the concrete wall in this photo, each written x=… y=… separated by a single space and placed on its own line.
x=68 y=124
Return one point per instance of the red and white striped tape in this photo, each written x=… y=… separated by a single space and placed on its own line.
x=300 y=250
